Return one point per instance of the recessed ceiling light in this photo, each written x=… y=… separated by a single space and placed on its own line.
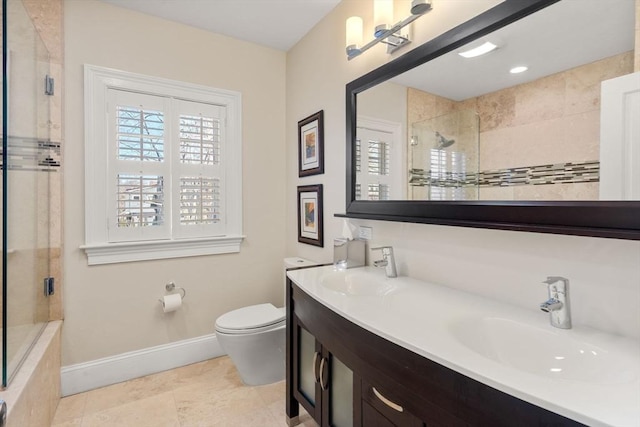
x=518 y=70
x=477 y=51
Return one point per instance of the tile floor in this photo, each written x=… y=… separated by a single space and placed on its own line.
x=209 y=393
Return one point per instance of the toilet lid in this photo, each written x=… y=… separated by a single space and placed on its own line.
x=252 y=317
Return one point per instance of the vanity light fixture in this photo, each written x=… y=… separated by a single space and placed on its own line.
x=519 y=69
x=383 y=32
x=483 y=49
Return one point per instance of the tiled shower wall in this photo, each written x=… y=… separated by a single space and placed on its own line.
x=47 y=17
x=552 y=120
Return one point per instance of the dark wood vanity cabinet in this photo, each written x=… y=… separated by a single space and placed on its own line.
x=322 y=384
x=377 y=383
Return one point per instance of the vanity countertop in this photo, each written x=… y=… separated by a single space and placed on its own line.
x=430 y=320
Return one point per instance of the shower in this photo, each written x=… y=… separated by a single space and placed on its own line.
x=443 y=153
x=442 y=142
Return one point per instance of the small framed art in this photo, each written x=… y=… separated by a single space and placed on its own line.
x=311 y=145
x=310 y=222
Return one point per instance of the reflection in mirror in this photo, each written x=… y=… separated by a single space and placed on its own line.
x=443 y=159
x=468 y=129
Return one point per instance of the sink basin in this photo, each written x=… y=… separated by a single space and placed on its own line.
x=551 y=353
x=361 y=283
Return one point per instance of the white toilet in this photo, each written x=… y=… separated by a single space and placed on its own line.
x=254 y=337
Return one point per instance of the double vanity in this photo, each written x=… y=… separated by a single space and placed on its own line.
x=367 y=350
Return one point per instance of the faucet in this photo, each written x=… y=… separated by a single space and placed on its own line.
x=558 y=303
x=387 y=261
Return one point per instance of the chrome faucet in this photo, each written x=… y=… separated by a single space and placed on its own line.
x=387 y=261
x=558 y=303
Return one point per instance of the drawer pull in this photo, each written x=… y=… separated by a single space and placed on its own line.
x=316 y=375
x=387 y=402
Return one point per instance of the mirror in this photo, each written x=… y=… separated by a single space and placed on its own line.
x=439 y=138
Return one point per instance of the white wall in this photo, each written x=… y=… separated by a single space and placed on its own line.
x=112 y=309
x=604 y=273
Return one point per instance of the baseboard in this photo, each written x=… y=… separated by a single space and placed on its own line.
x=126 y=366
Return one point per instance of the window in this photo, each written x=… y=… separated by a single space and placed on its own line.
x=378 y=160
x=163 y=168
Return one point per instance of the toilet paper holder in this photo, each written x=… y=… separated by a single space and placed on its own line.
x=171 y=286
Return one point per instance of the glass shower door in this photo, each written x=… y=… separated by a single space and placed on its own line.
x=444 y=157
x=26 y=165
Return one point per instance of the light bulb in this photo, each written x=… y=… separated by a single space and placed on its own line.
x=354 y=35
x=382 y=16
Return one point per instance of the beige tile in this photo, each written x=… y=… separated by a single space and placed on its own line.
x=155 y=411
x=497 y=109
x=541 y=99
x=204 y=394
x=130 y=391
x=496 y=193
x=272 y=392
x=70 y=408
x=573 y=191
x=207 y=404
x=420 y=105
x=278 y=411
x=583 y=83
x=69 y=423
x=496 y=148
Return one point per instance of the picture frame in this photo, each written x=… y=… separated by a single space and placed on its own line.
x=310 y=215
x=311 y=145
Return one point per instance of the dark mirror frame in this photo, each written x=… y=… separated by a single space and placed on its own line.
x=612 y=219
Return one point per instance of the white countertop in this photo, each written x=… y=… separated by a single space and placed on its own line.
x=421 y=317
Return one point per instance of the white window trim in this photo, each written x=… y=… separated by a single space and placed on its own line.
x=97 y=81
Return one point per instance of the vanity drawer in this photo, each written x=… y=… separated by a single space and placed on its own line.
x=381 y=409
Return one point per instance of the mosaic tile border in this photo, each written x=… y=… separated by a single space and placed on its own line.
x=31 y=154
x=558 y=173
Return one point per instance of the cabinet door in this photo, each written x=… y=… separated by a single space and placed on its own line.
x=323 y=385
x=306 y=374
x=337 y=392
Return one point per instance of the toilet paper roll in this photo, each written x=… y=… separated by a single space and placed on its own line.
x=171 y=302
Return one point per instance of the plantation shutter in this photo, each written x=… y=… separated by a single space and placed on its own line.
x=372 y=164
x=138 y=178
x=199 y=170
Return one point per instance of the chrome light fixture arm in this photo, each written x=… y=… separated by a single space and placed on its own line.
x=393 y=37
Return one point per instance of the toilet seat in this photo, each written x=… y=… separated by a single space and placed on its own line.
x=251 y=319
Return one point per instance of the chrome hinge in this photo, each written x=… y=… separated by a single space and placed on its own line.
x=49 y=286
x=48 y=85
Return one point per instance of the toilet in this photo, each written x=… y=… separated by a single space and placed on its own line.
x=254 y=337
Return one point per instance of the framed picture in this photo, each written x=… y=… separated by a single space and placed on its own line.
x=310 y=227
x=311 y=145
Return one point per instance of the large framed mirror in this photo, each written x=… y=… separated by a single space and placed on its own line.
x=437 y=137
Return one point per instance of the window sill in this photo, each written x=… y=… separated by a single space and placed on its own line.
x=111 y=253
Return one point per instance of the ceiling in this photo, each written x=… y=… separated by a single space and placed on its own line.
x=562 y=36
x=278 y=24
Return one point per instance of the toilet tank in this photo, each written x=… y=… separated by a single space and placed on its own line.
x=293 y=263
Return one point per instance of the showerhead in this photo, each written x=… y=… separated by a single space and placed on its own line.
x=442 y=142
